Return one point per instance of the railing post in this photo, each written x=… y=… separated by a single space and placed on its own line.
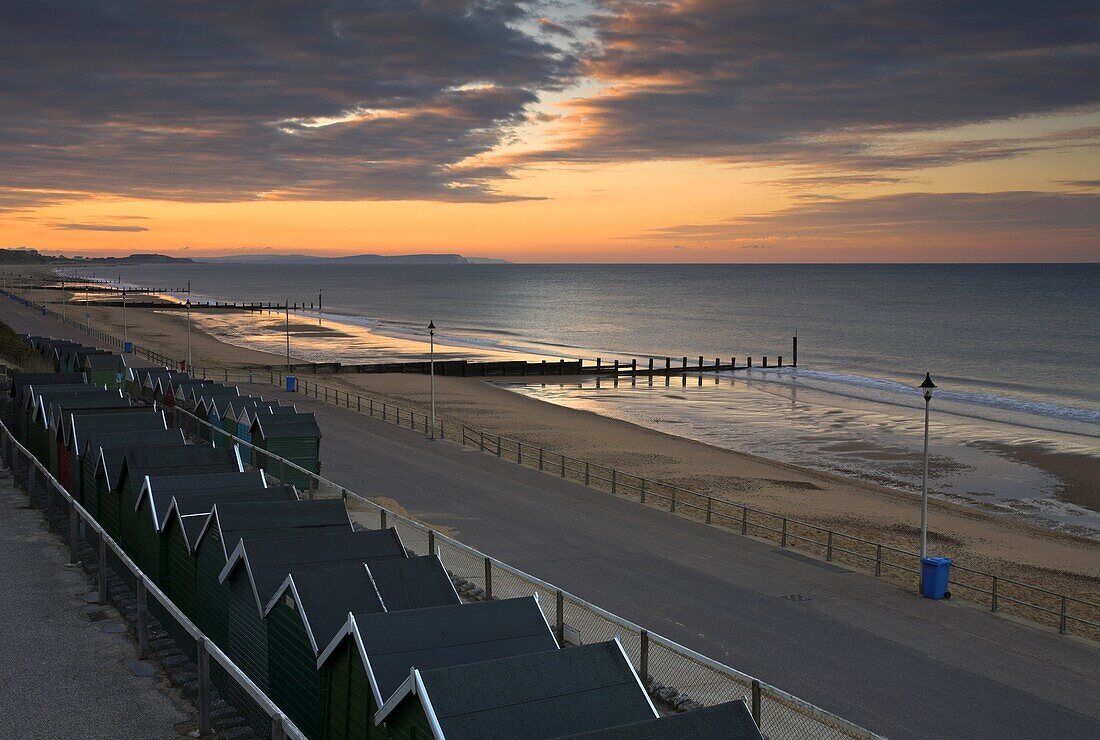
x=829 y=547
x=744 y=520
x=488 y=578
x=563 y=466
x=142 y=620
x=498 y=446
x=641 y=494
x=74 y=530
x=643 y=660
x=560 y=626
x=614 y=480
x=586 y=474
x=278 y=731
x=102 y=570
x=756 y=702
x=878 y=560
x=482 y=441
x=519 y=452
x=431 y=542
x=783 y=535
x=359 y=403
x=710 y=505
x=993 y=600
x=672 y=504
x=1063 y=622
x=203 y=665
x=382 y=519
x=540 y=459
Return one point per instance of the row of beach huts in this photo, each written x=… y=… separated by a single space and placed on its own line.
x=349 y=633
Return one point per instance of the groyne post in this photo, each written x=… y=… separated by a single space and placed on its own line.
x=780 y=363
x=733 y=363
x=765 y=360
x=700 y=362
x=651 y=366
x=684 y=360
x=749 y=361
x=598 y=363
x=668 y=365
x=794 y=351
x=633 y=367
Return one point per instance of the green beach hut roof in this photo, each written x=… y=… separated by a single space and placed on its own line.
x=390 y=643
x=161 y=489
x=269 y=561
x=81 y=426
x=261 y=520
x=545 y=694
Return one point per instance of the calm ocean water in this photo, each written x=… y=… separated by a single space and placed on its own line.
x=1014 y=348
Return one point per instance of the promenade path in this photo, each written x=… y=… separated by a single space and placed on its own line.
x=64 y=674
x=864 y=648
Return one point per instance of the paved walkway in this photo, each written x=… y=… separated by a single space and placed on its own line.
x=66 y=669
x=858 y=646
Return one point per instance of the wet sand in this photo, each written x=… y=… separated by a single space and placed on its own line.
x=973 y=537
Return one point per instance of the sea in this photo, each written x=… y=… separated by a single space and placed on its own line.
x=1013 y=349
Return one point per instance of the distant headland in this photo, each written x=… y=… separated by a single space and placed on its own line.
x=27 y=256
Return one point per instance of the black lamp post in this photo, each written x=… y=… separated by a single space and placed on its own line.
x=927 y=387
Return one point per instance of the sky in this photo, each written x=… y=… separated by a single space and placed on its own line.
x=554 y=131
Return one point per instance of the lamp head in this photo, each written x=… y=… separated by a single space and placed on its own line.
x=927 y=386
x=431 y=326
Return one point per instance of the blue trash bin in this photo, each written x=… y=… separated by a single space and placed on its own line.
x=291 y=384
x=127 y=347
x=934 y=575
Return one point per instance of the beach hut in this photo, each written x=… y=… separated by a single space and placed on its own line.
x=203 y=401
x=225 y=411
x=101 y=465
x=729 y=721
x=78 y=361
x=371 y=654
x=38 y=418
x=293 y=437
x=20 y=387
x=247 y=414
x=107 y=403
x=256 y=568
x=181 y=390
x=155 y=498
x=138 y=465
x=224 y=529
x=25 y=411
x=537 y=695
x=187 y=516
x=58 y=354
x=306 y=611
x=78 y=426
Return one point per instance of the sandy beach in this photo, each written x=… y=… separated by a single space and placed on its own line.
x=973 y=537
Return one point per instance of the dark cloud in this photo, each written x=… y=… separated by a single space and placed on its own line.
x=913 y=217
x=193 y=99
x=830 y=83
x=98 y=227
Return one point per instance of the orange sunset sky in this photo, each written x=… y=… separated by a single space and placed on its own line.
x=554 y=132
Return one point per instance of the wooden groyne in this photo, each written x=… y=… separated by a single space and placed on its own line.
x=647 y=367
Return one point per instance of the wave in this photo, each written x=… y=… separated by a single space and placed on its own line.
x=965 y=403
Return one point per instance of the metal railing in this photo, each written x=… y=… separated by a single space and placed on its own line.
x=1066 y=613
x=162 y=630
x=673 y=673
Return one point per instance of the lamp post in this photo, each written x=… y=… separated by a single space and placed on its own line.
x=288 y=336
x=431 y=369
x=125 y=328
x=188 y=334
x=927 y=386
